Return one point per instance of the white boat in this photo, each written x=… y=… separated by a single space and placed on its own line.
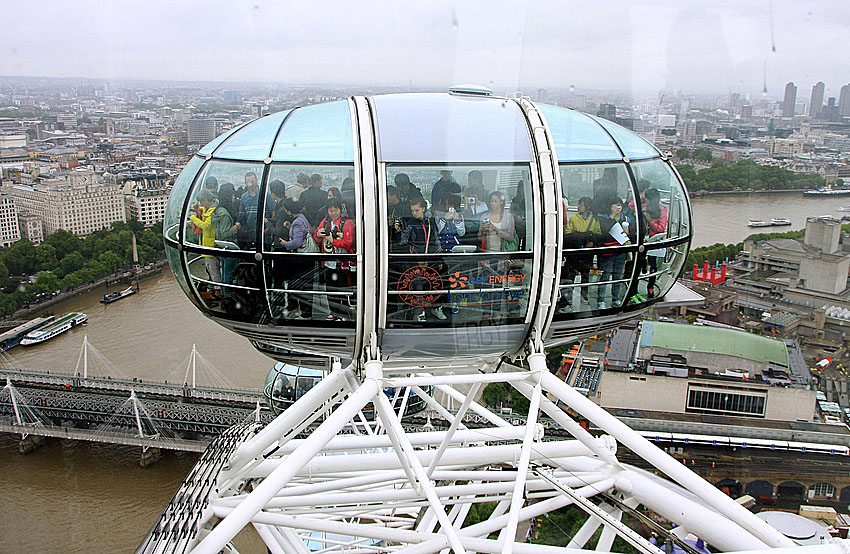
x=780 y=221
x=758 y=223
x=844 y=209
x=64 y=323
x=827 y=191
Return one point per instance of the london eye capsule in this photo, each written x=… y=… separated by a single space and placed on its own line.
x=457 y=225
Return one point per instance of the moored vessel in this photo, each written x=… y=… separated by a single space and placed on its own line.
x=64 y=323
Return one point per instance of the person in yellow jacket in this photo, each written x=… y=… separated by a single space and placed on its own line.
x=582 y=231
x=203 y=218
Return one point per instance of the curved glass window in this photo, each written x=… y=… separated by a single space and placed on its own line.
x=210 y=147
x=665 y=206
x=577 y=137
x=224 y=206
x=633 y=146
x=311 y=241
x=460 y=244
x=319 y=133
x=253 y=141
x=445 y=128
x=600 y=227
x=174 y=207
x=659 y=273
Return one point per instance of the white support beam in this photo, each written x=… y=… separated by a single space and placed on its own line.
x=265 y=491
x=733 y=511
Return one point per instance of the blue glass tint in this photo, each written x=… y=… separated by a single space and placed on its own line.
x=178 y=196
x=254 y=140
x=665 y=212
x=441 y=128
x=320 y=133
x=577 y=137
x=213 y=144
x=633 y=146
x=227 y=222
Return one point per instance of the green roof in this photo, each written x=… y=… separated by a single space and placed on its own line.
x=714 y=340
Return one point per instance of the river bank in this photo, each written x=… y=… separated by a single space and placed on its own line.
x=39 y=307
x=703 y=193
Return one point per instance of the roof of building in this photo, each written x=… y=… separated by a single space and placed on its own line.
x=786 y=244
x=714 y=340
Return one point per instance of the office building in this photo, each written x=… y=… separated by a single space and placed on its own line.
x=816 y=104
x=200 y=130
x=844 y=101
x=790 y=100
x=31 y=228
x=81 y=202
x=9 y=231
x=147 y=204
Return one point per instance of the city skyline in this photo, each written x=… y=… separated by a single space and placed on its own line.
x=621 y=46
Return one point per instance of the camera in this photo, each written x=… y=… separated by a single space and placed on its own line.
x=485 y=220
x=470 y=201
x=452 y=210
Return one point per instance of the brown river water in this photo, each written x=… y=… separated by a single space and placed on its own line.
x=74 y=497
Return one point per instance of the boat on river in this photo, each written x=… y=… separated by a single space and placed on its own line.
x=844 y=209
x=757 y=223
x=118 y=295
x=64 y=323
x=13 y=337
x=775 y=222
x=827 y=191
x=778 y=221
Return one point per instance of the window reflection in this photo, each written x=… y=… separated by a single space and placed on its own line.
x=440 y=220
x=599 y=211
x=235 y=291
x=663 y=200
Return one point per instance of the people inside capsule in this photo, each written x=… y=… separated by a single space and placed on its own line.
x=349 y=205
x=618 y=230
x=407 y=191
x=518 y=211
x=497 y=231
x=655 y=214
x=246 y=220
x=450 y=222
x=475 y=205
x=298 y=273
x=335 y=235
x=314 y=198
x=227 y=238
x=582 y=231
x=333 y=192
x=202 y=218
x=604 y=191
x=420 y=235
x=446 y=184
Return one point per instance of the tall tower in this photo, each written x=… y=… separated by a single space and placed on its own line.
x=816 y=104
x=790 y=100
x=844 y=101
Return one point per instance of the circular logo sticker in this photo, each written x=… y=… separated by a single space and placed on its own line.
x=421 y=285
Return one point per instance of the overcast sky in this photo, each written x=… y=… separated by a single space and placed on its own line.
x=635 y=45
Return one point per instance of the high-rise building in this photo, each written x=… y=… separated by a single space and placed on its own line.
x=31 y=228
x=200 y=130
x=231 y=96
x=817 y=99
x=82 y=202
x=790 y=100
x=9 y=231
x=844 y=101
x=607 y=111
x=146 y=204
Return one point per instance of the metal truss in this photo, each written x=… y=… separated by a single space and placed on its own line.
x=352 y=485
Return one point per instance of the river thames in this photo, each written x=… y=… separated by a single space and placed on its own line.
x=80 y=498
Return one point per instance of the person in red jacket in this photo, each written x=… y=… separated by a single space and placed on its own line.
x=335 y=235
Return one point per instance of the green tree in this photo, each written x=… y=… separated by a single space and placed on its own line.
x=70 y=263
x=49 y=281
x=64 y=242
x=111 y=261
x=703 y=154
x=683 y=153
x=46 y=255
x=4 y=272
x=20 y=258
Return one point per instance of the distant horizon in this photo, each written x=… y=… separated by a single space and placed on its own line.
x=639 y=47
x=434 y=87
